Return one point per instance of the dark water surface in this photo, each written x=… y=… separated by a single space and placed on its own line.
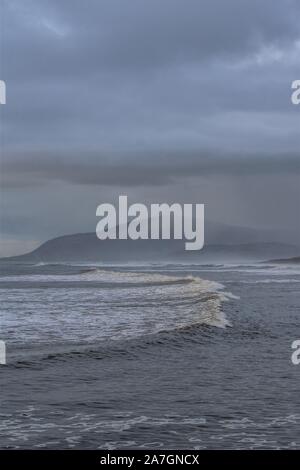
x=165 y=357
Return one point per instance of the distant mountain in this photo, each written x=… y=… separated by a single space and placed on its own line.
x=223 y=244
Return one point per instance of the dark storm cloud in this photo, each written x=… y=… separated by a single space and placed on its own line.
x=140 y=33
x=144 y=94
x=111 y=172
x=130 y=74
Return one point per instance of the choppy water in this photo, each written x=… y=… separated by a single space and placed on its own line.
x=149 y=356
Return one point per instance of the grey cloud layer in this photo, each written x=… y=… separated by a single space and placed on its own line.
x=33 y=172
x=138 y=75
x=140 y=33
x=147 y=93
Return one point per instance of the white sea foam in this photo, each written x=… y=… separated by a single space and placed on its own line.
x=123 y=305
x=271 y=281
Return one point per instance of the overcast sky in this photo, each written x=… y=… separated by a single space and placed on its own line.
x=163 y=100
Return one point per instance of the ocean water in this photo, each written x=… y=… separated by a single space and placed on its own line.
x=157 y=356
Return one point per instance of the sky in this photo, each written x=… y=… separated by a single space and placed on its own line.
x=162 y=100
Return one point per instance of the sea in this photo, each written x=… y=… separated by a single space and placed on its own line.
x=156 y=356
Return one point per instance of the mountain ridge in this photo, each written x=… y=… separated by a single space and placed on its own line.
x=87 y=247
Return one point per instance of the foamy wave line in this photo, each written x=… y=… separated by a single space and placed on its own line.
x=100 y=275
x=209 y=294
x=173 y=302
x=272 y=281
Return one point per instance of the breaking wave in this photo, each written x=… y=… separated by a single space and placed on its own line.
x=97 y=306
